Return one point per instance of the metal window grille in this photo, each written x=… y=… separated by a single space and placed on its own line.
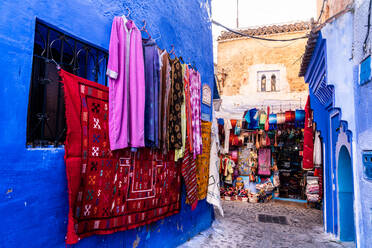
x=46 y=123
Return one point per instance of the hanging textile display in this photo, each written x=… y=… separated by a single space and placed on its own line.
x=308 y=153
x=110 y=191
x=227 y=127
x=300 y=118
x=202 y=160
x=195 y=111
x=264 y=162
x=245 y=161
x=213 y=195
x=317 y=157
x=180 y=152
x=176 y=100
x=165 y=83
x=188 y=109
x=152 y=77
x=254 y=119
x=125 y=70
x=272 y=122
x=189 y=176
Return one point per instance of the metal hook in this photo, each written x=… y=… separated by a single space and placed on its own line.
x=144 y=28
x=129 y=12
x=57 y=65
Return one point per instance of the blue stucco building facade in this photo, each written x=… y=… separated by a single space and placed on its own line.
x=342 y=113
x=34 y=203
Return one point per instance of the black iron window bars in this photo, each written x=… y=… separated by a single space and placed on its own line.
x=46 y=123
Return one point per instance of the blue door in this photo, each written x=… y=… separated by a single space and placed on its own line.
x=346 y=196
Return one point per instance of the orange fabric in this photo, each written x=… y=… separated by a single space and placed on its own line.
x=202 y=160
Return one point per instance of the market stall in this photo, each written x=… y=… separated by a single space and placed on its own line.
x=267 y=155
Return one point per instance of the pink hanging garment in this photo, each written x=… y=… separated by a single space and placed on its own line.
x=195 y=111
x=264 y=162
x=125 y=70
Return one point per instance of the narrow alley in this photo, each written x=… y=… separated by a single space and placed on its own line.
x=242 y=226
x=186 y=123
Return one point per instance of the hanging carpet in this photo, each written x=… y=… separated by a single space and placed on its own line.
x=110 y=191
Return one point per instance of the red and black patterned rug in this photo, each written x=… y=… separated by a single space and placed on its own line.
x=110 y=191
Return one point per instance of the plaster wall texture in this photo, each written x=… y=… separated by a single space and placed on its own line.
x=363 y=116
x=331 y=7
x=33 y=203
x=241 y=59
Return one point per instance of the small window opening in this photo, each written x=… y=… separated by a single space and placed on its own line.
x=46 y=123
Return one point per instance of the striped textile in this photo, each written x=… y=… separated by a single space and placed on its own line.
x=189 y=175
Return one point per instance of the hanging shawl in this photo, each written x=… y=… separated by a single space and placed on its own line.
x=317 y=149
x=253 y=114
x=213 y=195
x=308 y=139
x=264 y=162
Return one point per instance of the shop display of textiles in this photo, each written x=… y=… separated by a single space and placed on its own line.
x=128 y=145
x=270 y=155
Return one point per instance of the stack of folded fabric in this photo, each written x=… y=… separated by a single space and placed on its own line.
x=312 y=189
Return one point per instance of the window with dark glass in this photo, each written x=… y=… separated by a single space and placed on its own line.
x=273 y=82
x=46 y=123
x=263 y=83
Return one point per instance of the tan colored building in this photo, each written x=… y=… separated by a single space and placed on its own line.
x=331 y=8
x=256 y=72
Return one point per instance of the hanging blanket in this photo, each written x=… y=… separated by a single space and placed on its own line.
x=189 y=176
x=264 y=162
x=202 y=160
x=107 y=191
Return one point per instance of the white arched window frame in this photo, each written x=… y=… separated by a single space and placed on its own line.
x=268 y=81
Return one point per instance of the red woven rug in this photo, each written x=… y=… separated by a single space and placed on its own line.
x=110 y=192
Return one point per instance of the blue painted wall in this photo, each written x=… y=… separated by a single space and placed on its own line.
x=316 y=72
x=328 y=121
x=351 y=104
x=34 y=205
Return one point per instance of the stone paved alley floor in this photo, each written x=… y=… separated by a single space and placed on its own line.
x=240 y=228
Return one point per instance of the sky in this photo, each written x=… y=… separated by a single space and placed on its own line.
x=259 y=13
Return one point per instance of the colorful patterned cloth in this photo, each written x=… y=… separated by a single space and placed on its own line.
x=195 y=85
x=189 y=176
x=202 y=160
x=186 y=85
x=176 y=100
x=108 y=191
x=264 y=162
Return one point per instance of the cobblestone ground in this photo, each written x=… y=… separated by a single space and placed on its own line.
x=240 y=228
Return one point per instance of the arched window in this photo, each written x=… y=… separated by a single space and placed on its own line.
x=273 y=82
x=263 y=83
